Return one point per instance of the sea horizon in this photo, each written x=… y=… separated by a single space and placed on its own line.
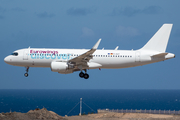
x=61 y=101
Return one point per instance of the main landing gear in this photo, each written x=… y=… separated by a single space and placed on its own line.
x=83 y=75
x=26 y=74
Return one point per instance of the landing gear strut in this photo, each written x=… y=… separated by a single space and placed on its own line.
x=26 y=74
x=83 y=75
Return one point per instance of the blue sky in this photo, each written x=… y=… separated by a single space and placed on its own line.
x=128 y=24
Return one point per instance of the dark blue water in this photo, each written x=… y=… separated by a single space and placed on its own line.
x=62 y=101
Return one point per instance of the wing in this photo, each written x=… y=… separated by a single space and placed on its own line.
x=85 y=57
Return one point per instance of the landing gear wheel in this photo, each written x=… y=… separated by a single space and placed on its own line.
x=81 y=74
x=26 y=74
x=86 y=76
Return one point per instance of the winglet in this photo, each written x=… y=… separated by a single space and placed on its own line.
x=97 y=44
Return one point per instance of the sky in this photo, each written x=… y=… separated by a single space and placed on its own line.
x=79 y=24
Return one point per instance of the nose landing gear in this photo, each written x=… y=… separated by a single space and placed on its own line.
x=83 y=75
x=26 y=74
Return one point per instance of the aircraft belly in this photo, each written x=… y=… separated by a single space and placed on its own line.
x=41 y=63
x=32 y=63
x=116 y=63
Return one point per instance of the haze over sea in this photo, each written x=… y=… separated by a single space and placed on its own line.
x=62 y=101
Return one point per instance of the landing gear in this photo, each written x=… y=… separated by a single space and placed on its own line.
x=86 y=76
x=26 y=74
x=83 y=75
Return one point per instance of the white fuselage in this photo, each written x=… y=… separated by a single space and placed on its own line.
x=70 y=60
x=110 y=59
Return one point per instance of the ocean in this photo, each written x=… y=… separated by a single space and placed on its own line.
x=62 y=102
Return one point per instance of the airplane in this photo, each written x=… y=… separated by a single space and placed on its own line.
x=67 y=61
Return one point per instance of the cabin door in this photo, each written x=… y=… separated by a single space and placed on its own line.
x=137 y=57
x=25 y=55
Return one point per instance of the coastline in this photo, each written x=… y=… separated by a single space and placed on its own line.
x=44 y=114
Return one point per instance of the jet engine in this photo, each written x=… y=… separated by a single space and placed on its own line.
x=59 y=66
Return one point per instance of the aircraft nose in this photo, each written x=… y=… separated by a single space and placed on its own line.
x=6 y=59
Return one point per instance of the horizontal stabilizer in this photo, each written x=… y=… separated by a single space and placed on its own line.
x=160 y=55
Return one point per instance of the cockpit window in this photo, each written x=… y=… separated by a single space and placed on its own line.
x=15 y=54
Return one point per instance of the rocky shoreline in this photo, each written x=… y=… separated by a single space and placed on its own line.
x=44 y=114
x=37 y=114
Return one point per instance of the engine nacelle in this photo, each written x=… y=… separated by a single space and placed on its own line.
x=59 y=66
